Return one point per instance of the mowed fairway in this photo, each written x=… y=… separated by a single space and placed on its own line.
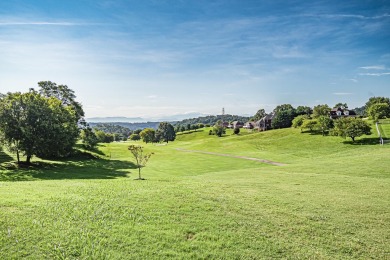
x=329 y=201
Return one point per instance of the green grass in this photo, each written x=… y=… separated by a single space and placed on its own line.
x=330 y=201
x=384 y=128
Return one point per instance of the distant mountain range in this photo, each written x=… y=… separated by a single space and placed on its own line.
x=121 y=119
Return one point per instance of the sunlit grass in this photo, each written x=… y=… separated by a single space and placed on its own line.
x=330 y=201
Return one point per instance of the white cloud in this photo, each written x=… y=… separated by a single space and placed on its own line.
x=375 y=67
x=337 y=16
x=375 y=74
x=40 y=23
x=342 y=93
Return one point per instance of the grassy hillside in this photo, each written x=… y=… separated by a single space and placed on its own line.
x=329 y=201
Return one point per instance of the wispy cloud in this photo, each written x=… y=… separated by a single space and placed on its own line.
x=375 y=67
x=342 y=93
x=375 y=74
x=355 y=16
x=30 y=23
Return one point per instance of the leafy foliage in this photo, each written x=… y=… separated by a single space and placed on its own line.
x=360 y=111
x=103 y=137
x=165 y=132
x=325 y=124
x=303 y=110
x=37 y=125
x=212 y=120
x=259 y=115
x=298 y=120
x=148 y=135
x=64 y=94
x=219 y=129
x=120 y=131
x=132 y=126
x=310 y=124
x=321 y=110
x=283 y=118
x=341 y=105
x=88 y=138
x=375 y=100
x=135 y=137
x=351 y=127
x=379 y=111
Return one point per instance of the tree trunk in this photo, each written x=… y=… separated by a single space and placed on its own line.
x=18 y=156
x=28 y=159
x=139 y=173
x=353 y=139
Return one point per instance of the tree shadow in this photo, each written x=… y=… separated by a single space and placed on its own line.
x=4 y=157
x=79 y=148
x=66 y=169
x=363 y=141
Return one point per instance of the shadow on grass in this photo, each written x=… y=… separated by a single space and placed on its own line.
x=363 y=141
x=5 y=157
x=80 y=167
x=80 y=147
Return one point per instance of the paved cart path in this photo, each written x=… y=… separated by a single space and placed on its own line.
x=233 y=156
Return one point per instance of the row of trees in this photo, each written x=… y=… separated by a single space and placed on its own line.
x=189 y=127
x=43 y=122
x=164 y=133
x=376 y=108
x=210 y=120
x=345 y=127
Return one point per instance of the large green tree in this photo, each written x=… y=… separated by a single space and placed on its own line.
x=303 y=110
x=148 y=135
x=88 y=138
x=283 y=118
x=325 y=124
x=310 y=124
x=70 y=115
x=375 y=100
x=378 y=111
x=64 y=94
x=298 y=120
x=283 y=107
x=321 y=110
x=351 y=127
x=34 y=125
x=165 y=132
x=259 y=115
x=40 y=124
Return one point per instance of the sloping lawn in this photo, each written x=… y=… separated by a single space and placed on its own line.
x=330 y=201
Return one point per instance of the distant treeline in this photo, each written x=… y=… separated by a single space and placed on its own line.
x=130 y=126
x=212 y=120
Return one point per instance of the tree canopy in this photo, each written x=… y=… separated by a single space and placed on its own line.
x=32 y=124
x=351 y=127
x=165 y=132
x=321 y=110
x=259 y=115
x=283 y=118
x=148 y=135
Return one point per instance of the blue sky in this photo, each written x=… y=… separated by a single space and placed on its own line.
x=153 y=57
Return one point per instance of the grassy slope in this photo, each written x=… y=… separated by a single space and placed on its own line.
x=329 y=202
